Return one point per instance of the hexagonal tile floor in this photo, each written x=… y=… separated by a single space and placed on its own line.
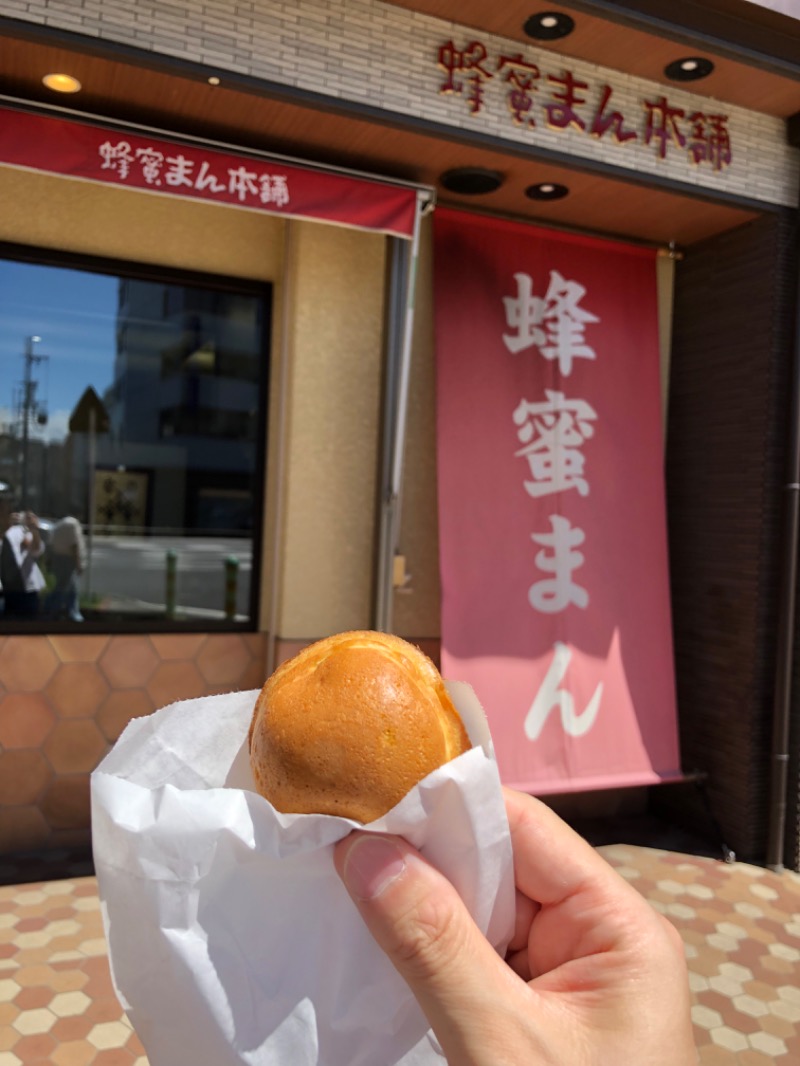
x=741 y=929
x=57 y=1004
x=740 y=925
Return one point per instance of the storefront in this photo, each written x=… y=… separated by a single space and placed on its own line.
x=247 y=430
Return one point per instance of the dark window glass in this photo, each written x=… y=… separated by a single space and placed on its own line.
x=131 y=429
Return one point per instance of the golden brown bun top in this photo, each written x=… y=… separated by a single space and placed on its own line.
x=350 y=725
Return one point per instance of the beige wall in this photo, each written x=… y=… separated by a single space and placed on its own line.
x=332 y=388
x=335 y=286
x=417 y=606
x=65 y=699
x=79 y=216
x=324 y=417
x=325 y=388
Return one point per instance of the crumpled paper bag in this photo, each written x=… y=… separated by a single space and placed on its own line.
x=231 y=939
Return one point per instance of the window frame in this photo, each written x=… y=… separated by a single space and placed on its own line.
x=263 y=290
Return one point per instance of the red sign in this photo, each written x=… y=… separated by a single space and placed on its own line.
x=562 y=101
x=139 y=161
x=555 y=599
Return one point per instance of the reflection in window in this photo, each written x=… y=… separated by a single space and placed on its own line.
x=130 y=401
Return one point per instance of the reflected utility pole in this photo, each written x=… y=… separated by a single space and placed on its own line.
x=29 y=407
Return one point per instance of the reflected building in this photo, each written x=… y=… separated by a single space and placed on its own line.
x=174 y=433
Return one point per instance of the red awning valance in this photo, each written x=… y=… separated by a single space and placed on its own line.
x=134 y=159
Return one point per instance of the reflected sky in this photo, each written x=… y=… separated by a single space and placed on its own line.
x=74 y=313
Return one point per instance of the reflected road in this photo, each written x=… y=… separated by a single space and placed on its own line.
x=132 y=570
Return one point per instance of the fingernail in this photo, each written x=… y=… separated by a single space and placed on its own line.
x=371 y=865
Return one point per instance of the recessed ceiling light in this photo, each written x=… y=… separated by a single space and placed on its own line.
x=213 y=80
x=547 y=190
x=62 y=83
x=691 y=68
x=549 y=26
x=472 y=181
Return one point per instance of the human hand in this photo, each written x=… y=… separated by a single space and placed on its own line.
x=33 y=537
x=593 y=975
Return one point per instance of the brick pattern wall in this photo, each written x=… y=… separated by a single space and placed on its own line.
x=726 y=464
x=64 y=700
x=374 y=54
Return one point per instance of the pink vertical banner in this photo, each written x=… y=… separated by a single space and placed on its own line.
x=555 y=595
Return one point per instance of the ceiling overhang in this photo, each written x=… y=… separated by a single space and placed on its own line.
x=131 y=85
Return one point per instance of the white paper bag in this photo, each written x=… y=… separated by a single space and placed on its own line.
x=231 y=937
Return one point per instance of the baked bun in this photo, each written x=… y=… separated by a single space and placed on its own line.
x=349 y=725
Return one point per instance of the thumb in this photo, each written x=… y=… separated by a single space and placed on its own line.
x=421 y=923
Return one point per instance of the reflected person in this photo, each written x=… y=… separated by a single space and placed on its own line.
x=22 y=547
x=67 y=558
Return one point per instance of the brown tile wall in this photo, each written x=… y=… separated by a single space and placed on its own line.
x=64 y=700
x=726 y=466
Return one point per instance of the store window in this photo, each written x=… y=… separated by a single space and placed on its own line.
x=132 y=421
